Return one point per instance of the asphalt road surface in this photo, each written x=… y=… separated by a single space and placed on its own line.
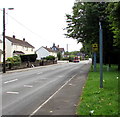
x=41 y=91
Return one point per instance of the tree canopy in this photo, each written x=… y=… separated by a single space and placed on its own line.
x=83 y=25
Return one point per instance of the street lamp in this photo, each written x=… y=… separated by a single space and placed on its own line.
x=4 y=65
x=101 y=54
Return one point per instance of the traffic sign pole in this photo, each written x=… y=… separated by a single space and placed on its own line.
x=94 y=61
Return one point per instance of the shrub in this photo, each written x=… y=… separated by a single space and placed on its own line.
x=13 y=59
x=50 y=58
x=59 y=55
x=86 y=57
x=65 y=58
x=29 y=57
x=10 y=59
x=16 y=59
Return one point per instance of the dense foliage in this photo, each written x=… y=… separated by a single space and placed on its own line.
x=14 y=59
x=59 y=55
x=30 y=58
x=50 y=58
x=83 y=25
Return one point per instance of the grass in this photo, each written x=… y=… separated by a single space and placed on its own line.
x=100 y=101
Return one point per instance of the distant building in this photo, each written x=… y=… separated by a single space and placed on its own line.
x=16 y=47
x=58 y=49
x=44 y=52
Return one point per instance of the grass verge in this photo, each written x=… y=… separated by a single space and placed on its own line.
x=100 y=101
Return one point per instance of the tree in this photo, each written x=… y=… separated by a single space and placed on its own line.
x=114 y=19
x=83 y=25
x=59 y=55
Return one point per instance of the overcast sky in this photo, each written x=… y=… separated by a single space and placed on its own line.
x=40 y=22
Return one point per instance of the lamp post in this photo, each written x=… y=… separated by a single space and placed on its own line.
x=4 y=64
x=101 y=54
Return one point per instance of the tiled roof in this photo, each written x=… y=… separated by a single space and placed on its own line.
x=61 y=49
x=48 y=49
x=19 y=42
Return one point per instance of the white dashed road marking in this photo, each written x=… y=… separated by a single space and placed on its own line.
x=29 y=86
x=12 y=92
x=39 y=73
x=10 y=81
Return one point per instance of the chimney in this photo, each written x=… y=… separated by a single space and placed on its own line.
x=23 y=39
x=58 y=46
x=14 y=36
x=46 y=46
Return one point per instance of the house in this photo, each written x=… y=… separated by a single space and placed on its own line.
x=44 y=52
x=58 y=49
x=1 y=52
x=14 y=47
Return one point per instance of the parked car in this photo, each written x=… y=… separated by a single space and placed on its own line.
x=76 y=59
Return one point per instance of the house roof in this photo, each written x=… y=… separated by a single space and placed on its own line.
x=19 y=42
x=61 y=49
x=48 y=49
x=56 y=48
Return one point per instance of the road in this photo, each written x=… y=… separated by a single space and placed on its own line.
x=26 y=92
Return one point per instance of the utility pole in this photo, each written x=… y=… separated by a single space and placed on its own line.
x=4 y=65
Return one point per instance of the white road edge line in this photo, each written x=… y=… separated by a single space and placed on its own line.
x=10 y=81
x=12 y=92
x=33 y=113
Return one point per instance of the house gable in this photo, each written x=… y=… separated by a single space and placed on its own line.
x=42 y=52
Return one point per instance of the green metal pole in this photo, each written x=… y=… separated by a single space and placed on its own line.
x=94 y=61
x=101 y=55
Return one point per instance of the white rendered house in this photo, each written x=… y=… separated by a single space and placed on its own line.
x=44 y=52
x=14 y=47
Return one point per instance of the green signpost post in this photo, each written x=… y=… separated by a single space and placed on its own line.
x=94 y=49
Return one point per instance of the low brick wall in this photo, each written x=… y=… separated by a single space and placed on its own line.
x=27 y=65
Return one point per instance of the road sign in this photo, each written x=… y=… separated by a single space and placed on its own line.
x=95 y=47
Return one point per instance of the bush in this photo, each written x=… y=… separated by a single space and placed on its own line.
x=59 y=55
x=50 y=58
x=16 y=59
x=10 y=59
x=65 y=58
x=29 y=57
x=86 y=57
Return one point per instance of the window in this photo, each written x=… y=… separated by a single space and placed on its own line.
x=26 y=49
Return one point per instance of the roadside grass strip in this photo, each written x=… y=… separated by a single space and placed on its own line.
x=100 y=101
